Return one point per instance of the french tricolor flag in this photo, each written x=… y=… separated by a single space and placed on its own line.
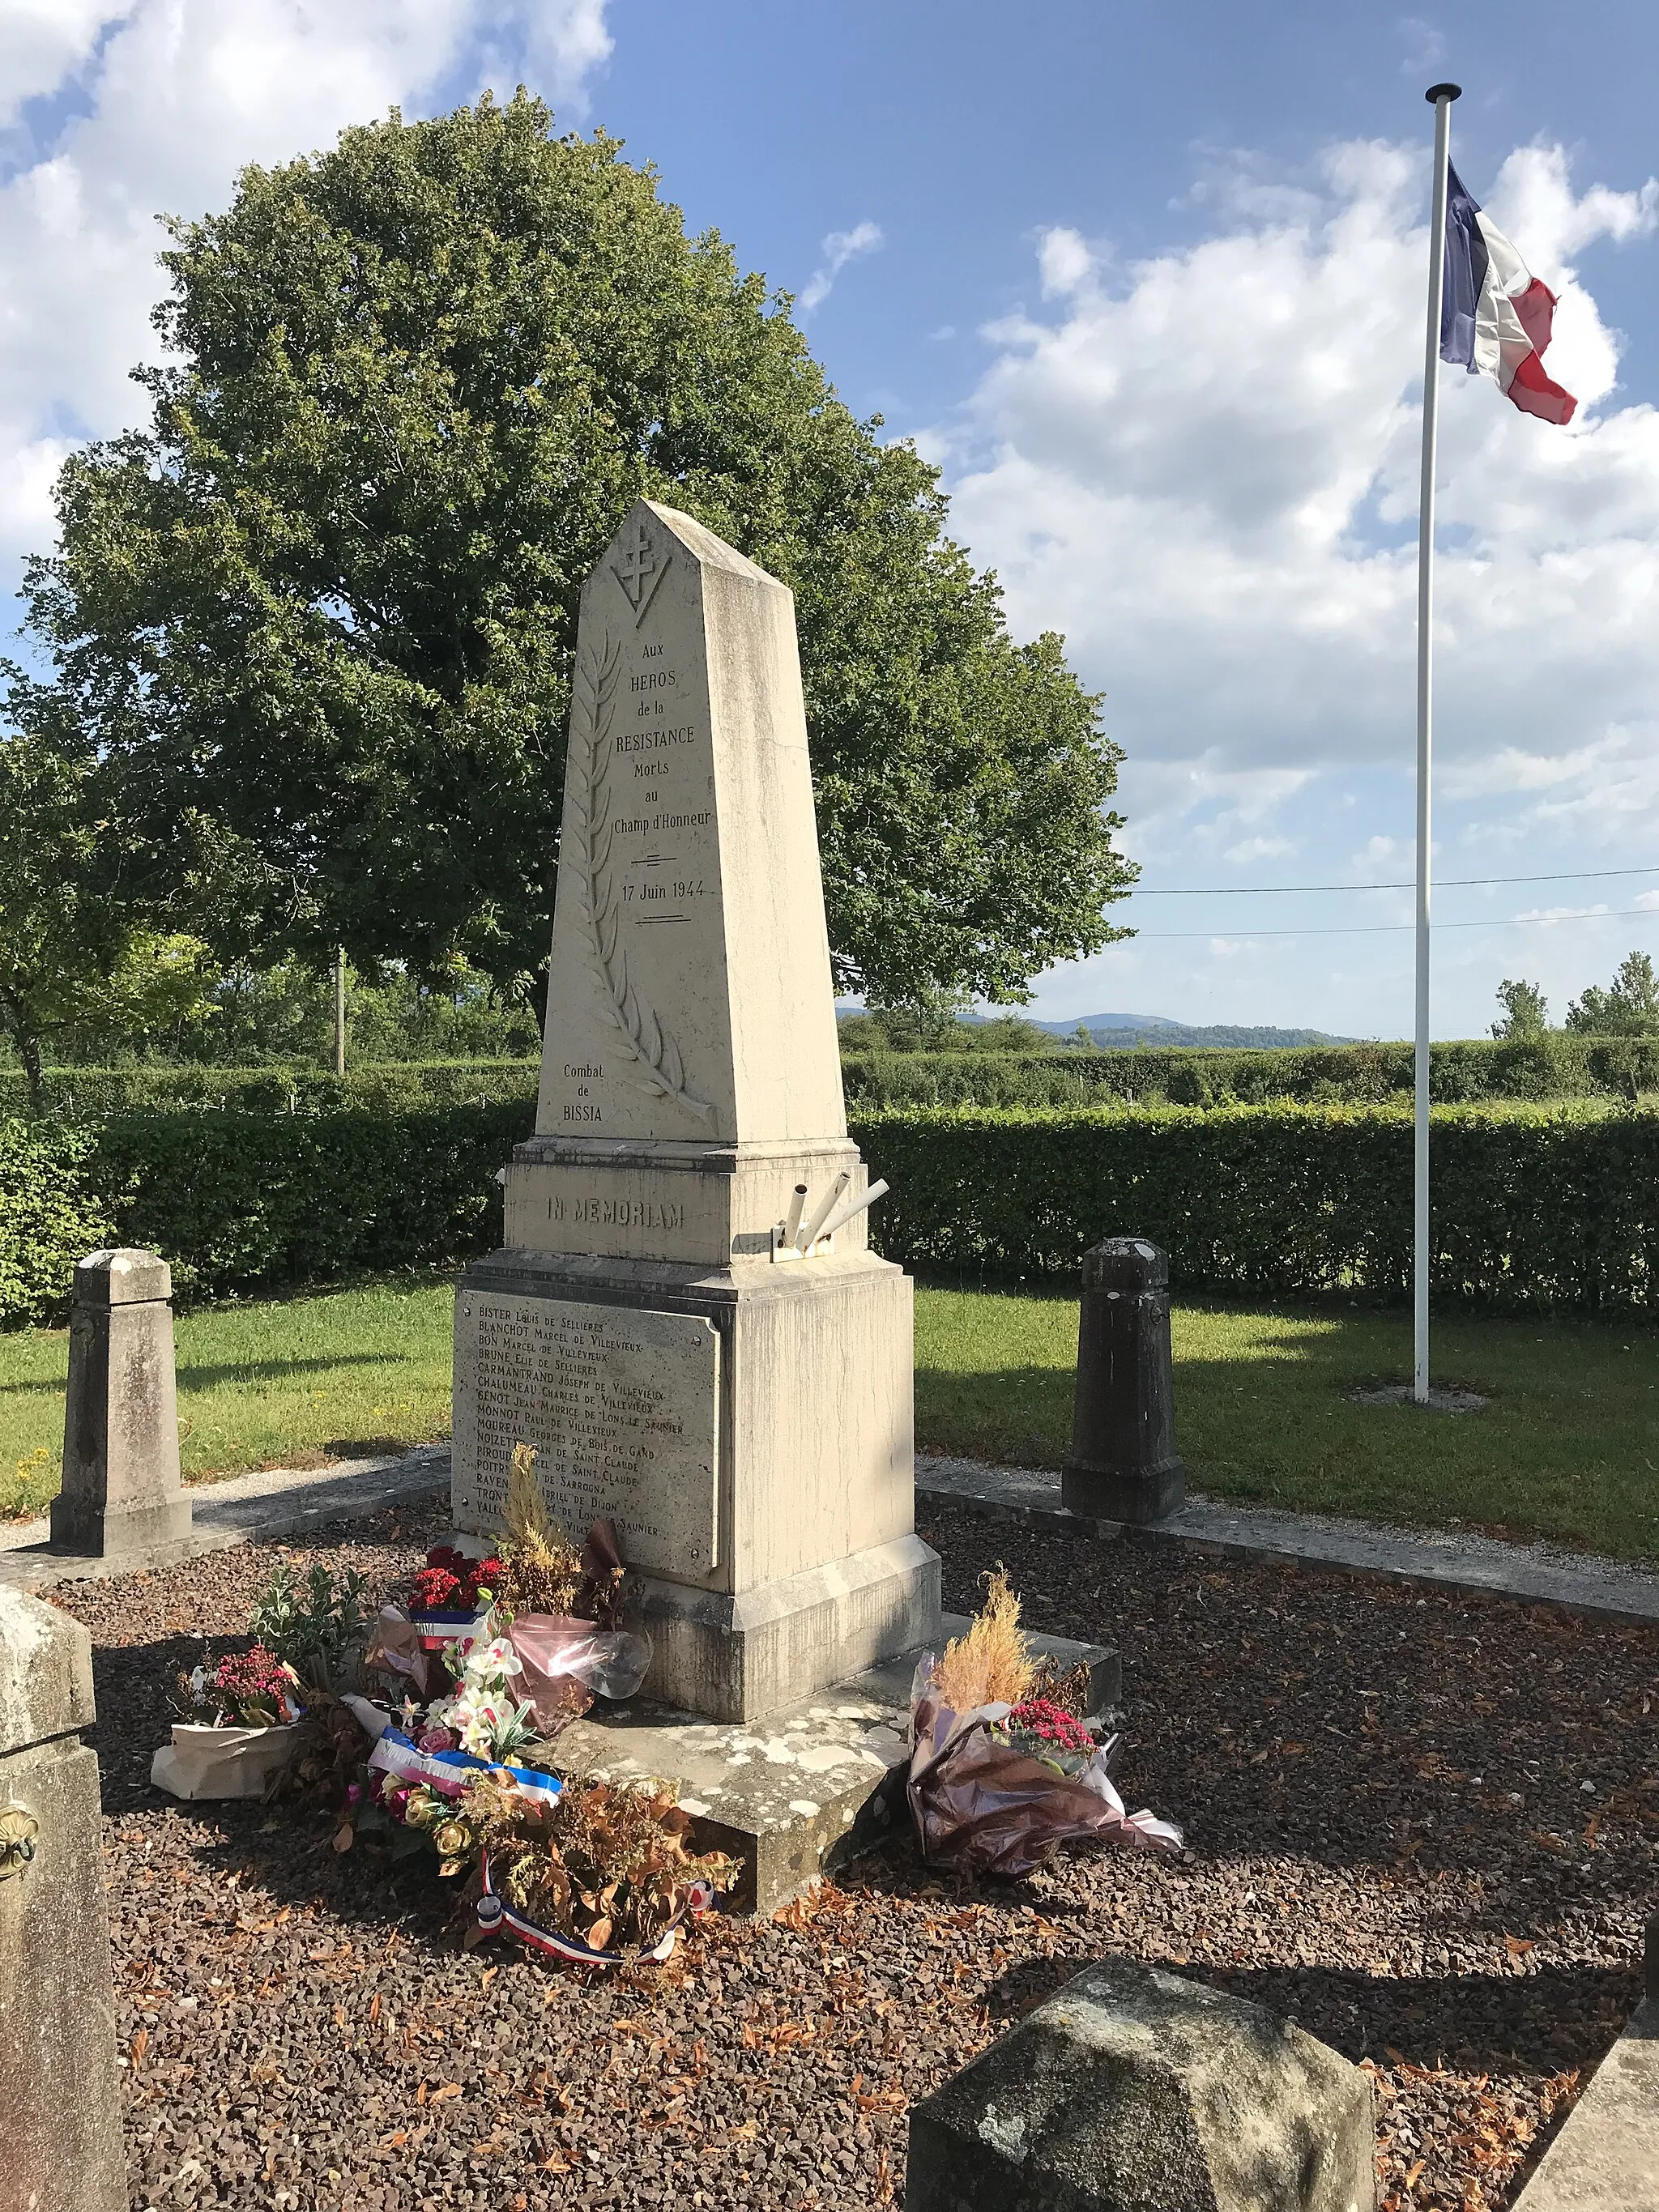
x=1495 y=315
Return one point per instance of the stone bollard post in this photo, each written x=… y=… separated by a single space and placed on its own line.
x=1136 y=2090
x=1123 y=1465
x=121 y=1495
x=60 y=2114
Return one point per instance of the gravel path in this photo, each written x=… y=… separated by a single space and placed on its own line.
x=1427 y=1828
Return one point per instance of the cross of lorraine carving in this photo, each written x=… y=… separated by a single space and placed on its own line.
x=640 y=571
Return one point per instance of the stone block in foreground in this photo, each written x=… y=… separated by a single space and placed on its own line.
x=1136 y=2090
x=60 y=2119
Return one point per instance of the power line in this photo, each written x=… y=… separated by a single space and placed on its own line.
x=1250 y=890
x=1389 y=929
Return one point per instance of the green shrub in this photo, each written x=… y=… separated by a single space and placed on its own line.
x=1533 y=1209
x=1559 y=1065
x=49 y=1219
x=88 y=1094
x=242 y=1201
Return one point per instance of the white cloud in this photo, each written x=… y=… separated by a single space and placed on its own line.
x=1426 y=47
x=44 y=41
x=1065 y=263
x=840 y=248
x=1203 y=468
x=174 y=97
x=1259 y=848
x=1380 y=860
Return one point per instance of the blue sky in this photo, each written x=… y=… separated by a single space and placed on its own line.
x=1146 y=281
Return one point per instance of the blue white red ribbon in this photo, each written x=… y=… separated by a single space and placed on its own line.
x=452 y=1772
x=495 y=1913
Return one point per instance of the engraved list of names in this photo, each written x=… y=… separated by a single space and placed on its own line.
x=620 y=1406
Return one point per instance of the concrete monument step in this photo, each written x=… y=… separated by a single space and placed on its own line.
x=803 y=1792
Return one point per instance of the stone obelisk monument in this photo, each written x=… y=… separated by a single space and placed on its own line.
x=684 y=1355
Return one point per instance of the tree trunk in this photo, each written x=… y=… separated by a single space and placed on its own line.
x=29 y=1049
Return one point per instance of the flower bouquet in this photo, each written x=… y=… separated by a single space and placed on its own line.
x=449 y=1594
x=1001 y=1775
x=447 y=1600
x=560 y=1607
x=419 y=1764
x=239 y=1727
x=599 y=1874
x=461 y=1768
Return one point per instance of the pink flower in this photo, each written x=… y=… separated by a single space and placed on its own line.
x=437 y=1739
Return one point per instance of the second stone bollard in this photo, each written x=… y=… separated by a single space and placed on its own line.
x=1123 y=1465
x=121 y=1495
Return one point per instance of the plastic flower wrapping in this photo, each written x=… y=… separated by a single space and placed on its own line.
x=1003 y=1773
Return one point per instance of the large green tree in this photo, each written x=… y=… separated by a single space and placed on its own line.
x=80 y=947
x=327 y=600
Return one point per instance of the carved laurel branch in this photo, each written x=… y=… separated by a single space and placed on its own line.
x=648 y=1044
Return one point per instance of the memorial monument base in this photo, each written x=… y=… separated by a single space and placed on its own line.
x=808 y=1790
x=748 y=1429
x=745 y=1654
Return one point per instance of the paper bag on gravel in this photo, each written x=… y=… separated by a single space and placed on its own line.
x=222 y=1762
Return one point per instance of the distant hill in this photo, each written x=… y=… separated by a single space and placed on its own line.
x=1136 y=1032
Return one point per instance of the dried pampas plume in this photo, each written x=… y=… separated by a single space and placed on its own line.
x=527 y=1524
x=542 y=1572
x=992 y=1664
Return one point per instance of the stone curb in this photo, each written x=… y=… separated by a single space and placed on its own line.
x=288 y=1501
x=1466 y=1566
x=1605 y=2158
x=249 y=1509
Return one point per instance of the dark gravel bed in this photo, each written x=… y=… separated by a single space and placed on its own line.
x=1427 y=1828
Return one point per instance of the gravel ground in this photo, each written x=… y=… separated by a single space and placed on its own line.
x=1427 y=1828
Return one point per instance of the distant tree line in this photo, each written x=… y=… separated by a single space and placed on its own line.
x=1628 y=1007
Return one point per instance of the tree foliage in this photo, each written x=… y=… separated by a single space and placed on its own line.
x=1526 y=1012
x=1628 y=1007
x=327 y=598
x=76 y=950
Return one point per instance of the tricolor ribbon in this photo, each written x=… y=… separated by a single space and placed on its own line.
x=452 y=1772
x=495 y=1913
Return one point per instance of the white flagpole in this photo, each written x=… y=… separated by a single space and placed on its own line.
x=1442 y=96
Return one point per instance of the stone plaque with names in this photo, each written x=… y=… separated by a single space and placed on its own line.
x=620 y=1406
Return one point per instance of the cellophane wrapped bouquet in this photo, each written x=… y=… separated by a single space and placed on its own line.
x=1004 y=1768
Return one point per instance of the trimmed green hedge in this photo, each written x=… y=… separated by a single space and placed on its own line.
x=240 y=1201
x=1534 y=1210
x=1559 y=1065
x=88 y=1094
x=246 y=1201
x=49 y=1217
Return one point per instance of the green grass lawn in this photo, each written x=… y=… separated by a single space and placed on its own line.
x=1567 y=1448
x=282 y=1383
